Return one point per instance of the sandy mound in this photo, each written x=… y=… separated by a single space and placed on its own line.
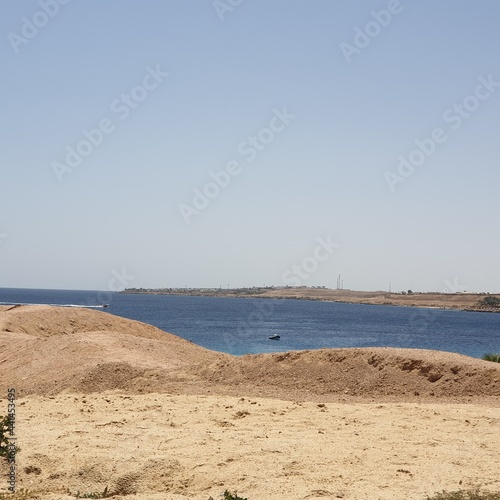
x=47 y=350
x=367 y=372
x=85 y=427
x=47 y=321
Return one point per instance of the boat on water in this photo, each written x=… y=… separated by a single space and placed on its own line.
x=274 y=337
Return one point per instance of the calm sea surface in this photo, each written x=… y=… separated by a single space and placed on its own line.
x=242 y=326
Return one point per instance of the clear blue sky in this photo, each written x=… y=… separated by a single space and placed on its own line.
x=356 y=104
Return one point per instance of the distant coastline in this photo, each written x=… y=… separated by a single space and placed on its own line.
x=476 y=302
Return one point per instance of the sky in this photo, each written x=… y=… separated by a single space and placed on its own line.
x=238 y=143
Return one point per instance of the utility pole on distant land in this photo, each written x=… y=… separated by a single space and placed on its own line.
x=389 y=287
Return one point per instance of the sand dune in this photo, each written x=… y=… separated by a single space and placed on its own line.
x=46 y=350
x=390 y=374
x=106 y=401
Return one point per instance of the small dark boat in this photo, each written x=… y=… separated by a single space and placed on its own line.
x=274 y=337
x=104 y=305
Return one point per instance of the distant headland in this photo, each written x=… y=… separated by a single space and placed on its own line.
x=481 y=302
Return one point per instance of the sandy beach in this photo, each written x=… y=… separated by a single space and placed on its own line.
x=108 y=402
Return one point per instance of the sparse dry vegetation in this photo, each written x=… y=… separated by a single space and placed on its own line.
x=474 y=494
x=19 y=495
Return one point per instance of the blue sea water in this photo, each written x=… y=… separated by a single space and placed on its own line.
x=242 y=326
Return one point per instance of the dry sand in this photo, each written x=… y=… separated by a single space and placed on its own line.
x=106 y=401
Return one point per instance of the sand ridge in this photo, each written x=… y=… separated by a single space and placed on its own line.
x=47 y=350
x=109 y=402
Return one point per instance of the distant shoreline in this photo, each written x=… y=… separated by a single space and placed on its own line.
x=473 y=302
